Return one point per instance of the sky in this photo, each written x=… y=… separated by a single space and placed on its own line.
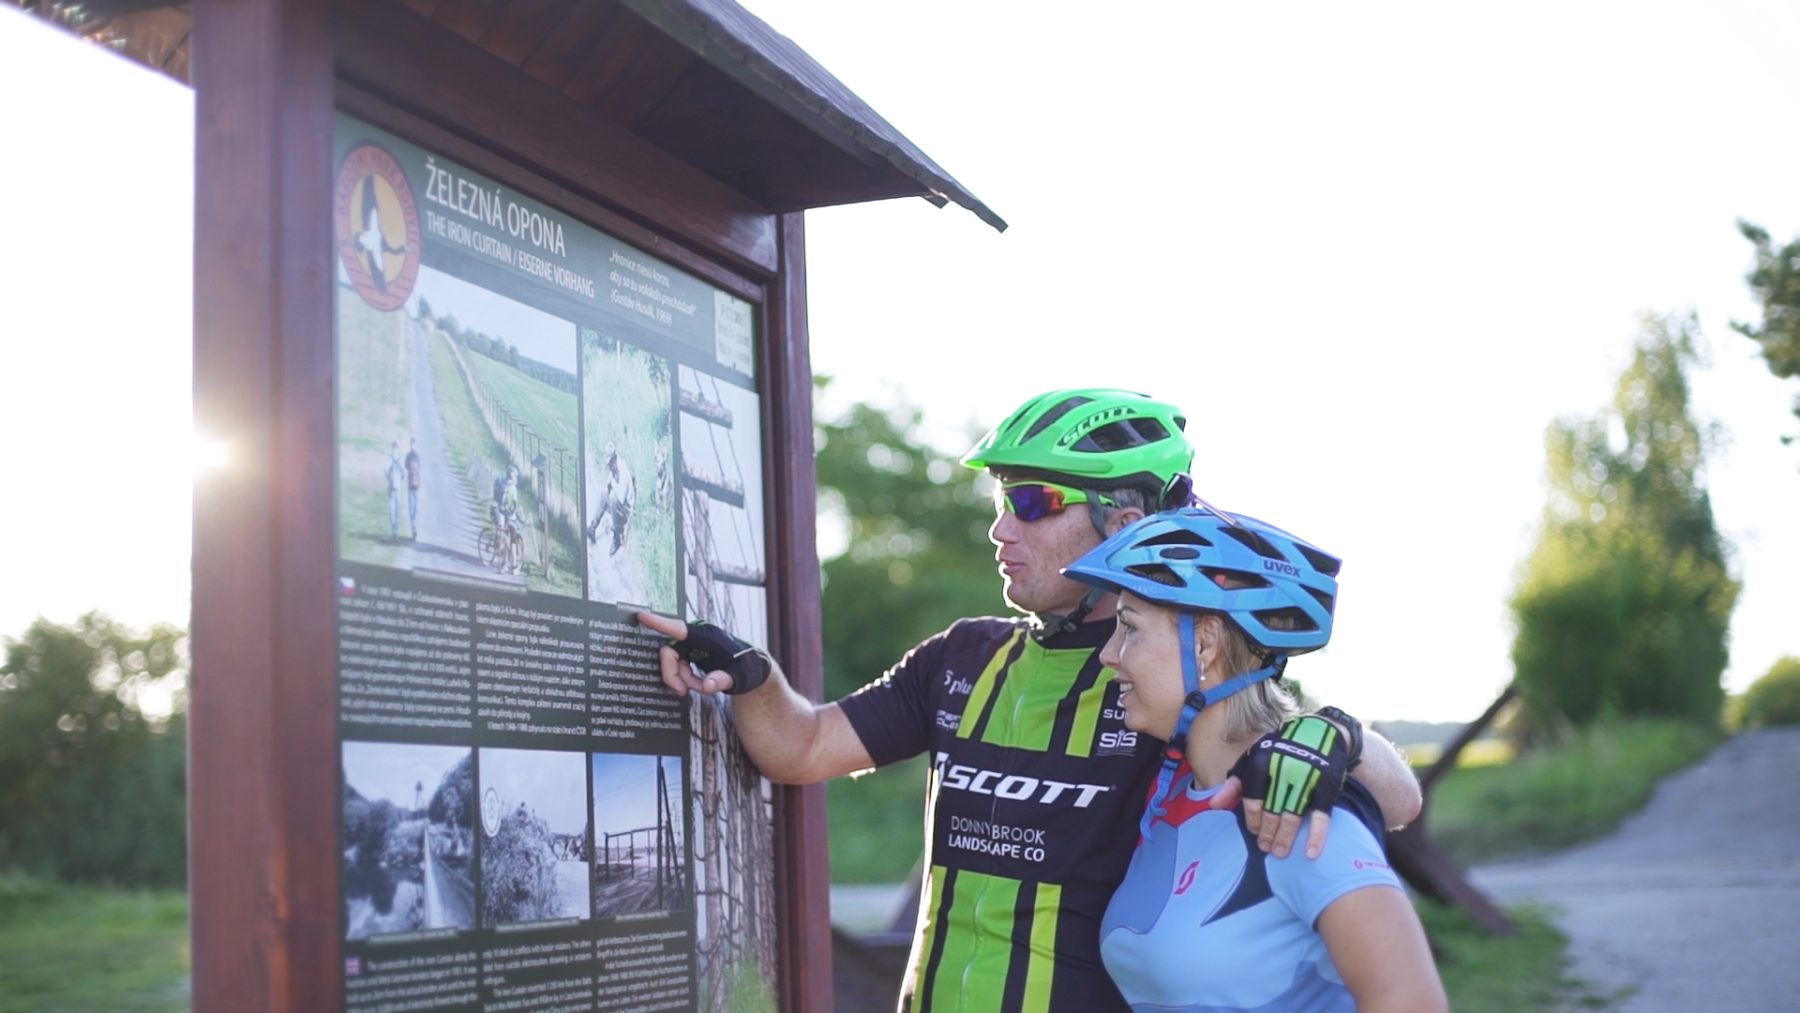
x=625 y=791
x=395 y=771
x=552 y=785
x=537 y=335
x=1373 y=249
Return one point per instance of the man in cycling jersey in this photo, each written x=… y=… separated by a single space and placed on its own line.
x=1036 y=782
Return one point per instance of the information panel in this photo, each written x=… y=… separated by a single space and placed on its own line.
x=540 y=429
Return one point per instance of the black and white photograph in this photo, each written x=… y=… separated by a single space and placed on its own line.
x=534 y=852
x=408 y=838
x=626 y=420
x=640 y=843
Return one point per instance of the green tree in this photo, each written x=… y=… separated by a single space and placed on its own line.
x=1775 y=282
x=1773 y=699
x=92 y=788
x=1625 y=602
x=918 y=555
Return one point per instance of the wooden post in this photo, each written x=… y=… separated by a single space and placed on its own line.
x=262 y=770
x=803 y=880
x=1424 y=865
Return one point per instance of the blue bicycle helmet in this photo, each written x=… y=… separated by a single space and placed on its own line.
x=1204 y=560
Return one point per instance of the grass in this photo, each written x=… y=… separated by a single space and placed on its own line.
x=548 y=411
x=480 y=457
x=374 y=411
x=628 y=401
x=1574 y=790
x=92 y=948
x=82 y=947
x=1526 y=971
x=877 y=823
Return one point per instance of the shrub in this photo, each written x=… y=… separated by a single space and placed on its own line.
x=1773 y=699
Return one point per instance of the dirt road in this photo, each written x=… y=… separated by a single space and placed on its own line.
x=1694 y=903
x=451 y=513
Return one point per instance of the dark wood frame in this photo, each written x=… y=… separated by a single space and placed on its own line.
x=263 y=748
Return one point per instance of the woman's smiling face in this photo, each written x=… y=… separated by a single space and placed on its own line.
x=1145 y=651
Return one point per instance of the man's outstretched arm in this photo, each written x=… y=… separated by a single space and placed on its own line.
x=791 y=739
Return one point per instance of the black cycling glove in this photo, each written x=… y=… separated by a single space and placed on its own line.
x=714 y=650
x=1302 y=768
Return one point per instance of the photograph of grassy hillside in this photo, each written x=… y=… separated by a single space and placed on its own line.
x=630 y=527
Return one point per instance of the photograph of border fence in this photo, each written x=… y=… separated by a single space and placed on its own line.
x=722 y=500
x=535 y=851
x=721 y=490
x=630 y=525
x=408 y=838
x=438 y=401
x=640 y=843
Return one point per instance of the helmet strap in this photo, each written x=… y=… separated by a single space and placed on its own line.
x=1052 y=624
x=1195 y=702
x=1096 y=512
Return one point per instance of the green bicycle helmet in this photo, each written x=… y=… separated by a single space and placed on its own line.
x=1106 y=438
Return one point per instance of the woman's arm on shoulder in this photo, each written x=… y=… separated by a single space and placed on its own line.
x=1379 y=947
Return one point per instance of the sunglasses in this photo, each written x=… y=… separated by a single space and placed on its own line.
x=1034 y=501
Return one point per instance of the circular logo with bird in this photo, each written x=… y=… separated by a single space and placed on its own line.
x=377 y=227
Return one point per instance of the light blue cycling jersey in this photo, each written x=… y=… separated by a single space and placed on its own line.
x=1205 y=921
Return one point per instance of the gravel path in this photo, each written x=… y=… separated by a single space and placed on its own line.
x=1695 y=901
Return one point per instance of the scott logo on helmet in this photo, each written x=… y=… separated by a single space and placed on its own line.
x=1094 y=421
x=1013 y=787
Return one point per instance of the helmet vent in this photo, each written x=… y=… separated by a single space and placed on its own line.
x=1252 y=541
x=1180 y=552
x=1322 y=598
x=1289 y=618
x=1326 y=565
x=1123 y=434
x=1157 y=572
x=1177 y=536
x=1061 y=408
x=1235 y=580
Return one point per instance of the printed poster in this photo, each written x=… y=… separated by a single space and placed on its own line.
x=540 y=430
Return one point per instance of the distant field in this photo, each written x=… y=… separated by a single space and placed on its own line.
x=84 y=948
x=1552 y=797
x=374 y=412
x=1480 y=753
x=548 y=411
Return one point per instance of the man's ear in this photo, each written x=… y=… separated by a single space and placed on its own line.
x=1119 y=518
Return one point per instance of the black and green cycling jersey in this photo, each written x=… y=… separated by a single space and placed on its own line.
x=1031 y=810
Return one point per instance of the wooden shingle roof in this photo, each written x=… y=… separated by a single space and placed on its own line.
x=704 y=79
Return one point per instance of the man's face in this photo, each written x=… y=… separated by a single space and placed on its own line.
x=1032 y=554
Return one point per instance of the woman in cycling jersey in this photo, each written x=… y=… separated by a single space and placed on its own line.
x=1211 y=607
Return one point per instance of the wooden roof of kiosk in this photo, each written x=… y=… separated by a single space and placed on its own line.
x=705 y=80
x=688 y=128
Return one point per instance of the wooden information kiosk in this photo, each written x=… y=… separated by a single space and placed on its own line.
x=500 y=310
